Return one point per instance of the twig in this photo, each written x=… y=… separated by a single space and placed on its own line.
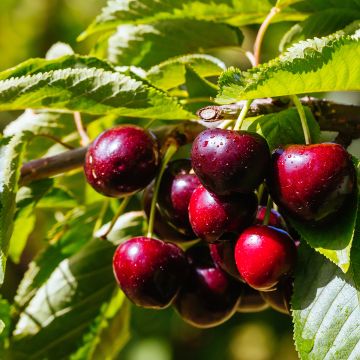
x=85 y=140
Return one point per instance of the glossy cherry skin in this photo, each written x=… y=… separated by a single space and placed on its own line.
x=275 y=218
x=176 y=188
x=279 y=298
x=229 y=161
x=251 y=301
x=263 y=254
x=223 y=255
x=150 y=271
x=211 y=216
x=311 y=181
x=162 y=227
x=209 y=296
x=122 y=161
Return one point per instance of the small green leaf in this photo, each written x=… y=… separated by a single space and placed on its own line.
x=235 y=12
x=325 y=309
x=147 y=45
x=171 y=74
x=48 y=84
x=197 y=86
x=283 y=127
x=328 y=64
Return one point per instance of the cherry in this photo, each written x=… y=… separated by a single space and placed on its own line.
x=275 y=218
x=222 y=253
x=311 y=181
x=150 y=271
x=211 y=216
x=279 y=298
x=251 y=301
x=176 y=188
x=162 y=228
x=121 y=161
x=209 y=297
x=230 y=161
x=263 y=254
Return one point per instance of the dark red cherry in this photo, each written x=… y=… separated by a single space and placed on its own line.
x=311 y=181
x=230 y=161
x=263 y=254
x=121 y=161
x=251 y=301
x=150 y=271
x=211 y=216
x=223 y=255
x=162 y=228
x=209 y=296
x=275 y=218
x=176 y=188
x=279 y=298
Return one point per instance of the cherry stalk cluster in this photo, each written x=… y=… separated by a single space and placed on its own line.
x=246 y=256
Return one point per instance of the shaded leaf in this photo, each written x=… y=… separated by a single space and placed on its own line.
x=147 y=45
x=234 y=12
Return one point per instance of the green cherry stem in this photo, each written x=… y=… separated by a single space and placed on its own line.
x=268 y=211
x=261 y=33
x=242 y=115
x=119 y=212
x=170 y=151
x=302 y=115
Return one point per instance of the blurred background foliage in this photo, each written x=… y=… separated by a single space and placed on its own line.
x=27 y=29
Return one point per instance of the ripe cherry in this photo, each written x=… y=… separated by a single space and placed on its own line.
x=150 y=271
x=162 y=228
x=275 y=218
x=209 y=297
x=223 y=255
x=251 y=301
x=121 y=161
x=230 y=161
x=263 y=254
x=211 y=216
x=176 y=188
x=311 y=181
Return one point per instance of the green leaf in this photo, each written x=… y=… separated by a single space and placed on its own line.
x=320 y=24
x=90 y=90
x=234 y=12
x=62 y=308
x=283 y=127
x=197 y=86
x=26 y=200
x=109 y=331
x=284 y=3
x=149 y=44
x=328 y=64
x=171 y=74
x=325 y=308
x=5 y=325
x=11 y=153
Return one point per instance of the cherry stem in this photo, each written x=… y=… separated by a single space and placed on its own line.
x=242 y=115
x=119 y=212
x=302 y=115
x=268 y=211
x=170 y=151
x=102 y=213
x=260 y=192
x=85 y=140
x=261 y=33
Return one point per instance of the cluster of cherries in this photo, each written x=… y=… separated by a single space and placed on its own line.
x=241 y=264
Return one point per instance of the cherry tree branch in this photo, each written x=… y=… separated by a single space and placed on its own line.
x=331 y=116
